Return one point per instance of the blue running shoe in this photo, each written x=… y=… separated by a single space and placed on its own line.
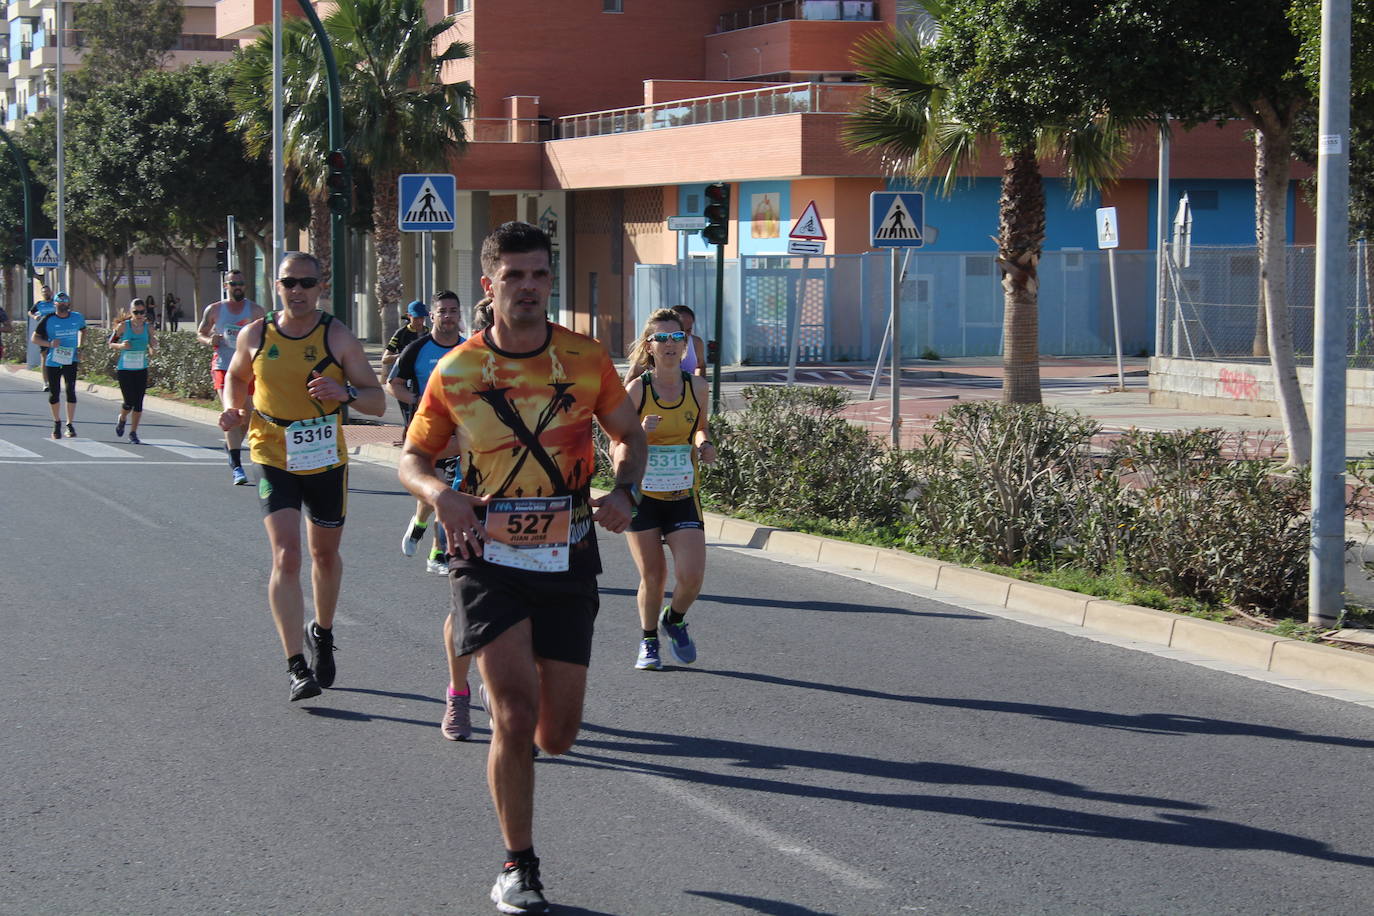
x=681 y=649
x=240 y=477
x=648 y=656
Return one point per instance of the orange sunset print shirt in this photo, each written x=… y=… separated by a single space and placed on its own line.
x=527 y=416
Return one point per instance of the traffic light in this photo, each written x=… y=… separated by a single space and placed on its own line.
x=717 y=213
x=339 y=184
x=221 y=256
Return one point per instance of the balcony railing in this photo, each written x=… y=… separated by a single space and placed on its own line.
x=856 y=10
x=790 y=98
x=76 y=38
x=506 y=130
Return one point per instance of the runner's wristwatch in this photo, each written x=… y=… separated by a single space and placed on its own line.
x=352 y=393
x=631 y=490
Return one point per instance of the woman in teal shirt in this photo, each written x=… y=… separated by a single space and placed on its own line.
x=133 y=337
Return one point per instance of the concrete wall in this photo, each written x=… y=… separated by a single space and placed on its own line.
x=1245 y=389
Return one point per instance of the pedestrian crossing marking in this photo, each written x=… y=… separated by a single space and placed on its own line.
x=427 y=207
x=10 y=450
x=897 y=224
x=93 y=449
x=187 y=449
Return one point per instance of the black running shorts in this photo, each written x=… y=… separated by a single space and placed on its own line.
x=489 y=599
x=324 y=495
x=667 y=515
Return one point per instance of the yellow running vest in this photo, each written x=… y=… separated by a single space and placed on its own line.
x=676 y=426
x=281 y=370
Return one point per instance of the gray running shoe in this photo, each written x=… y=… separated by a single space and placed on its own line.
x=457 y=724
x=680 y=647
x=518 y=889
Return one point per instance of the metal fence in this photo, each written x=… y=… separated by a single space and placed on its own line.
x=951 y=304
x=1212 y=305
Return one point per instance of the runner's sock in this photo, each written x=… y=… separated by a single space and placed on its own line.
x=651 y=634
x=458 y=693
x=235 y=457
x=296 y=660
x=524 y=855
x=674 y=617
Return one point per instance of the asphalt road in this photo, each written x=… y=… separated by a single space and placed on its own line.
x=840 y=748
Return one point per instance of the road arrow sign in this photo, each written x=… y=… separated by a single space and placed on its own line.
x=426 y=203
x=45 y=253
x=809 y=226
x=896 y=219
x=805 y=246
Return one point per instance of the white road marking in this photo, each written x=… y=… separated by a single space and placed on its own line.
x=94 y=449
x=10 y=450
x=188 y=450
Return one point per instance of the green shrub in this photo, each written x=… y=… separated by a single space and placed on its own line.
x=1215 y=520
x=791 y=452
x=1011 y=485
x=181 y=363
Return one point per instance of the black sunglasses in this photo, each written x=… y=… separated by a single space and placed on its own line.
x=139 y=312
x=235 y=282
x=305 y=282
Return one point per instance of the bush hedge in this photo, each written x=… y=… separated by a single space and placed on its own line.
x=1202 y=516
x=180 y=364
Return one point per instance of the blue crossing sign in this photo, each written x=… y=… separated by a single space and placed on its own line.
x=45 y=253
x=896 y=219
x=426 y=203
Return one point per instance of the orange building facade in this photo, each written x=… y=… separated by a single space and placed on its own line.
x=599 y=119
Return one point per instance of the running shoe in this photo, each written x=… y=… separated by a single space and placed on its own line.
x=680 y=647
x=303 y=683
x=321 y=646
x=57 y=429
x=411 y=539
x=119 y=428
x=240 y=477
x=648 y=656
x=457 y=724
x=518 y=889
x=71 y=431
x=134 y=440
x=437 y=564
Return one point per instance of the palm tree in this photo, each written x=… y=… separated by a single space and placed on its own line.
x=305 y=141
x=401 y=117
x=936 y=103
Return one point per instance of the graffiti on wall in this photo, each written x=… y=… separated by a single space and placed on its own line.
x=1240 y=385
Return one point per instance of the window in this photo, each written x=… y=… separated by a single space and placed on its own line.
x=978 y=265
x=1204 y=199
x=612 y=6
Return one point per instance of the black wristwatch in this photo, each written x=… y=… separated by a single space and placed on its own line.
x=352 y=393
x=631 y=490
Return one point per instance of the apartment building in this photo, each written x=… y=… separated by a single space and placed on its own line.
x=599 y=119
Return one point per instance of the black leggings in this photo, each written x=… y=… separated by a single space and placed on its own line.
x=132 y=384
x=55 y=376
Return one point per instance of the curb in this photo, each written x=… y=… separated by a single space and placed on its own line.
x=1278 y=655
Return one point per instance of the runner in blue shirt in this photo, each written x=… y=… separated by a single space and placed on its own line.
x=61 y=334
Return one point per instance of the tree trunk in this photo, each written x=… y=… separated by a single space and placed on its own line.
x=129 y=274
x=386 y=236
x=1259 y=345
x=1020 y=235
x=1275 y=143
x=320 y=237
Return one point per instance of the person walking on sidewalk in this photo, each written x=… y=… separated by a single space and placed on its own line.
x=521 y=531
x=133 y=337
x=61 y=333
x=304 y=366
x=672 y=409
x=220 y=326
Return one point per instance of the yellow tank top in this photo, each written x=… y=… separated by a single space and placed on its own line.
x=281 y=370
x=670 y=443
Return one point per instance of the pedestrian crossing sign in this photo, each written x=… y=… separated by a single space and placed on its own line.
x=426 y=203
x=896 y=219
x=45 y=253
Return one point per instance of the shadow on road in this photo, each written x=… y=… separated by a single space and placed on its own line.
x=832 y=607
x=791 y=763
x=759 y=904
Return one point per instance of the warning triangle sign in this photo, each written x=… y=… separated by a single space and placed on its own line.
x=897 y=224
x=427 y=206
x=809 y=225
x=46 y=253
